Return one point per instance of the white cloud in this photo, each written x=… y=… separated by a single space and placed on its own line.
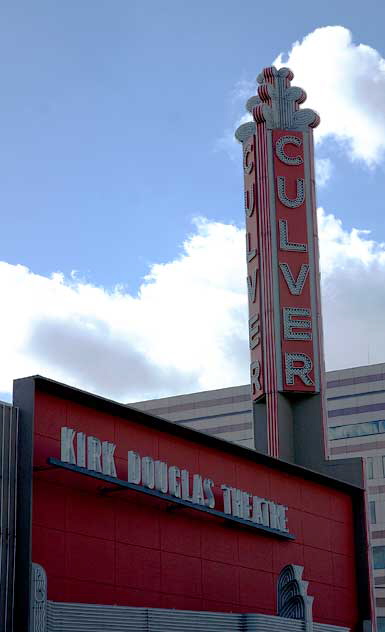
x=323 y=171
x=353 y=281
x=173 y=337
x=186 y=329
x=345 y=83
x=227 y=142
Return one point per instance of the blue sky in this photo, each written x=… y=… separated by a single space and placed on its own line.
x=116 y=120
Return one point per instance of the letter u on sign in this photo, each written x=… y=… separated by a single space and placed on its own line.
x=281 y=188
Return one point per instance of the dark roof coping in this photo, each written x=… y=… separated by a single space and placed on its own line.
x=131 y=413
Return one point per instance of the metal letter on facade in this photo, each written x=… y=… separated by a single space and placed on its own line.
x=161 y=477
x=282 y=155
x=67 y=450
x=300 y=195
x=250 y=201
x=148 y=472
x=174 y=484
x=255 y=374
x=108 y=462
x=134 y=473
x=208 y=485
x=94 y=454
x=284 y=242
x=290 y=323
x=250 y=252
x=185 y=485
x=295 y=285
x=81 y=449
x=301 y=371
x=252 y=285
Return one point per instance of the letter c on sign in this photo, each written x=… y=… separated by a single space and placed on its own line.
x=248 y=166
x=282 y=155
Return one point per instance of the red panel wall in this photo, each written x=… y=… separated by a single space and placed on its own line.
x=127 y=549
x=298 y=232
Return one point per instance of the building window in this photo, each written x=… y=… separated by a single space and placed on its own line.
x=363 y=429
x=380 y=624
x=370 y=467
x=378 y=557
x=372 y=511
x=383 y=466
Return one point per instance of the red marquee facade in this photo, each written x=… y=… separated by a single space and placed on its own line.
x=103 y=543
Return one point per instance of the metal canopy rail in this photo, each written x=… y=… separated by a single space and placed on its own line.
x=120 y=485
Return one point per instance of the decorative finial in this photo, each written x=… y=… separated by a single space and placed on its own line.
x=277 y=104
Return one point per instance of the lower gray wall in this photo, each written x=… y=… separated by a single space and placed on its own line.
x=64 y=617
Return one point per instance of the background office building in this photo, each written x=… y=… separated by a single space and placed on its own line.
x=356 y=423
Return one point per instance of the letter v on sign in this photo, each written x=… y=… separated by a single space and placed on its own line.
x=295 y=285
x=252 y=285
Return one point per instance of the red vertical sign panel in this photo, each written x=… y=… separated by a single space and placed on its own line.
x=295 y=266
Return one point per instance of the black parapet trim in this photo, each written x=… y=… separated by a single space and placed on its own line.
x=362 y=551
x=126 y=486
x=23 y=398
x=162 y=425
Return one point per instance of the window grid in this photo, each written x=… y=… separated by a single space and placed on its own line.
x=372 y=511
x=363 y=429
x=380 y=624
x=370 y=467
x=378 y=557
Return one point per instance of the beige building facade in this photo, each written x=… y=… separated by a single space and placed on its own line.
x=356 y=421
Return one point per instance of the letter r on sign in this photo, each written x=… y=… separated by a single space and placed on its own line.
x=301 y=371
x=255 y=371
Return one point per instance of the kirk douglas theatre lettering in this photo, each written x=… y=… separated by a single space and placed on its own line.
x=94 y=457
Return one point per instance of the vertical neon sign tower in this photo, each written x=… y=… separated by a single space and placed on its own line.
x=285 y=327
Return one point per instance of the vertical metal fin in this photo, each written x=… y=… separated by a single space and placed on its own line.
x=8 y=497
